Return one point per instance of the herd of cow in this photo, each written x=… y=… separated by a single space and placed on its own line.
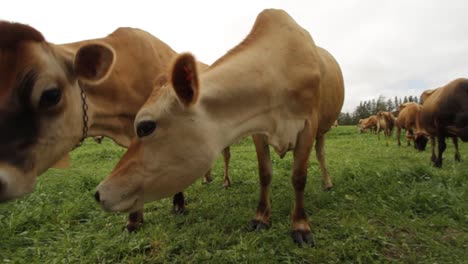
x=175 y=114
x=444 y=113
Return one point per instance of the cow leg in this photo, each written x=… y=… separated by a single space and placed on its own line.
x=135 y=220
x=441 y=147
x=320 y=153
x=207 y=177
x=227 y=157
x=301 y=232
x=178 y=203
x=398 y=134
x=262 y=216
x=457 y=153
x=433 y=156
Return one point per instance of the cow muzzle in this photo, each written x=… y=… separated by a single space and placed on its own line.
x=14 y=184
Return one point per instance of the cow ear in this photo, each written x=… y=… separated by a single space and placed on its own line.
x=94 y=62
x=184 y=78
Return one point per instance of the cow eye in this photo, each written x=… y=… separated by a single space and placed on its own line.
x=145 y=128
x=50 y=98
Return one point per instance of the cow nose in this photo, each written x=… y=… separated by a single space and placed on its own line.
x=97 y=196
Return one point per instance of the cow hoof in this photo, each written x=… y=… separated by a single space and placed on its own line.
x=327 y=187
x=303 y=238
x=132 y=227
x=227 y=184
x=457 y=158
x=257 y=225
x=207 y=180
x=178 y=210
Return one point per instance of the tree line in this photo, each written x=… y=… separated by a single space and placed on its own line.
x=372 y=107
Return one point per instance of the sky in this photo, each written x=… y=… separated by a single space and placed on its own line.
x=389 y=48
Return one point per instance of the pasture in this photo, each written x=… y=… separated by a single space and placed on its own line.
x=388 y=205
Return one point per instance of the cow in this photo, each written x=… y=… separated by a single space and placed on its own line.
x=445 y=114
x=385 y=123
x=53 y=96
x=368 y=123
x=408 y=119
x=276 y=85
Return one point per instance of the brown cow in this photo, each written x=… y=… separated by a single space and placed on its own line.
x=445 y=114
x=368 y=123
x=277 y=84
x=408 y=119
x=385 y=123
x=52 y=96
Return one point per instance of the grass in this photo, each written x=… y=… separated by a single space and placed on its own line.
x=388 y=205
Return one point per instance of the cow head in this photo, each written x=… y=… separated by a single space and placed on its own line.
x=175 y=144
x=41 y=109
x=420 y=141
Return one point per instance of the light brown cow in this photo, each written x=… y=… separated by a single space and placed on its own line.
x=44 y=89
x=408 y=119
x=276 y=84
x=368 y=123
x=445 y=114
x=385 y=123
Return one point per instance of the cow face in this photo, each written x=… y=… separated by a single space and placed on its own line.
x=166 y=157
x=40 y=104
x=420 y=141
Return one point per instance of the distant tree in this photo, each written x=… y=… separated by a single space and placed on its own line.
x=390 y=106
x=380 y=105
x=396 y=103
x=410 y=98
x=405 y=99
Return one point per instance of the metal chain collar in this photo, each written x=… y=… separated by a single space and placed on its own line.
x=85 y=117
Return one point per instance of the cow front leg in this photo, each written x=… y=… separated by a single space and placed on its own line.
x=207 y=177
x=301 y=231
x=457 y=153
x=178 y=203
x=135 y=220
x=227 y=157
x=441 y=147
x=320 y=154
x=262 y=216
x=433 y=155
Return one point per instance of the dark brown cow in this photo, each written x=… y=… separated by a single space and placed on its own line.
x=445 y=114
x=408 y=119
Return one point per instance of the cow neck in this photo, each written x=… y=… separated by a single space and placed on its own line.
x=236 y=101
x=111 y=113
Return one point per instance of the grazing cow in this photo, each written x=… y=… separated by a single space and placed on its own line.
x=385 y=123
x=276 y=84
x=53 y=96
x=445 y=114
x=408 y=119
x=368 y=123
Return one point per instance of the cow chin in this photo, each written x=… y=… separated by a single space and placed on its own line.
x=15 y=183
x=420 y=142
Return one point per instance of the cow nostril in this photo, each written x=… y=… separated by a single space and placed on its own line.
x=97 y=196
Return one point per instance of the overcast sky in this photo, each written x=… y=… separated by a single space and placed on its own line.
x=384 y=47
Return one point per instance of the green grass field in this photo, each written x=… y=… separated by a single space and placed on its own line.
x=388 y=205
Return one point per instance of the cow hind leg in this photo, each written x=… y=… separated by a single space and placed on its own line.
x=207 y=177
x=262 y=216
x=227 y=157
x=135 y=220
x=301 y=231
x=457 y=153
x=433 y=155
x=320 y=153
